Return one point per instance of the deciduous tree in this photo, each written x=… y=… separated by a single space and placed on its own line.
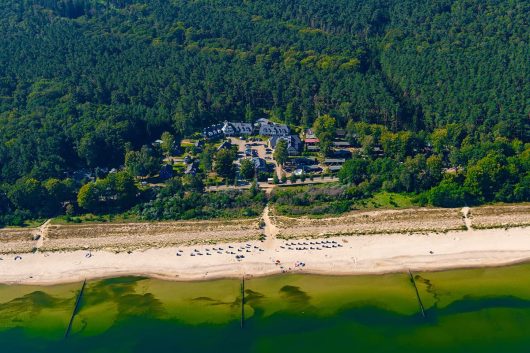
x=280 y=152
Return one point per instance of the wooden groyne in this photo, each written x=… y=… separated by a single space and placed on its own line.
x=76 y=307
x=417 y=294
x=243 y=302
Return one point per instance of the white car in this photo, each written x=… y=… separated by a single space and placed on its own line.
x=298 y=172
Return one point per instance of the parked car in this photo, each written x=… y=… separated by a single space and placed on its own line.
x=298 y=172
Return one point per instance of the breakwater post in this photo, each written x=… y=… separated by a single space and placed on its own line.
x=242 y=301
x=417 y=293
x=76 y=307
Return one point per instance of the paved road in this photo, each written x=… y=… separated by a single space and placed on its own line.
x=265 y=185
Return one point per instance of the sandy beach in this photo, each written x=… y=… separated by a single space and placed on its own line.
x=337 y=254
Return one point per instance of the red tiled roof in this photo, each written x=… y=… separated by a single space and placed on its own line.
x=313 y=140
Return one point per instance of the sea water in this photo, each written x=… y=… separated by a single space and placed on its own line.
x=478 y=310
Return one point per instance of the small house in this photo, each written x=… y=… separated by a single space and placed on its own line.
x=226 y=145
x=213 y=132
x=341 y=144
x=82 y=174
x=378 y=151
x=309 y=134
x=305 y=161
x=259 y=164
x=166 y=172
x=334 y=168
x=192 y=168
x=334 y=161
x=294 y=144
x=313 y=141
x=340 y=133
x=198 y=146
x=342 y=154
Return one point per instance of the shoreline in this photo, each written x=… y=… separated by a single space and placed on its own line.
x=164 y=277
x=353 y=255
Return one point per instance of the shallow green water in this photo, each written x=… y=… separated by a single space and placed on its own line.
x=486 y=310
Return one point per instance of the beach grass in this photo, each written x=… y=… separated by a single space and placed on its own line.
x=398 y=221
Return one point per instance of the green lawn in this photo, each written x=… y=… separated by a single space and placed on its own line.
x=29 y=223
x=386 y=200
x=327 y=200
x=91 y=218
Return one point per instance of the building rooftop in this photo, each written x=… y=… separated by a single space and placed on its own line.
x=334 y=160
x=341 y=143
x=237 y=128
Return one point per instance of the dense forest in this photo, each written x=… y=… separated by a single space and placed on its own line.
x=84 y=81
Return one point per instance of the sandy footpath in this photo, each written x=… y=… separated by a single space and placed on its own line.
x=362 y=254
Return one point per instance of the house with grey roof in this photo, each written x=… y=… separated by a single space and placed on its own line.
x=259 y=164
x=268 y=128
x=341 y=144
x=226 y=145
x=213 y=132
x=166 y=172
x=294 y=143
x=236 y=129
x=334 y=161
x=334 y=168
x=192 y=168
